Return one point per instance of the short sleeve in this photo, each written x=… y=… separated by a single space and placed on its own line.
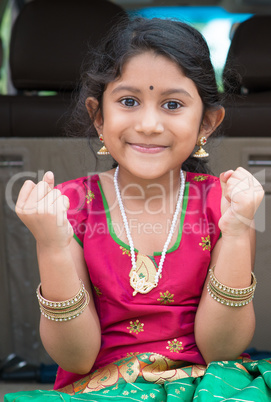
x=79 y=193
x=213 y=208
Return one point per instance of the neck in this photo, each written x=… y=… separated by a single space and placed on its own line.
x=144 y=189
x=151 y=196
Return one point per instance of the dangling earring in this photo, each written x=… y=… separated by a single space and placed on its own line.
x=103 y=150
x=201 y=153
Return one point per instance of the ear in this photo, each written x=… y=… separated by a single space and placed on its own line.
x=95 y=113
x=211 y=120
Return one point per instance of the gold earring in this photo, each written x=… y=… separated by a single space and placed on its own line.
x=201 y=153
x=103 y=150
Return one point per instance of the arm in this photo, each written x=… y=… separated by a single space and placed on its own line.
x=223 y=332
x=74 y=344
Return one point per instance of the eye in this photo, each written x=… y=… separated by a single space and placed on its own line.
x=172 y=105
x=129 y=102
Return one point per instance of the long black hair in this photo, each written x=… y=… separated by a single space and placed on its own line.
x=175 y=40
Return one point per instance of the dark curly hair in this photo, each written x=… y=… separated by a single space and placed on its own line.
x=175 y=40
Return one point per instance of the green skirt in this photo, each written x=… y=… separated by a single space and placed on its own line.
x=152 y=377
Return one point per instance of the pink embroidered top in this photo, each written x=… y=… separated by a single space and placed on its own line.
x=161 y=321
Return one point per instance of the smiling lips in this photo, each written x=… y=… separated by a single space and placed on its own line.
x=148 y=148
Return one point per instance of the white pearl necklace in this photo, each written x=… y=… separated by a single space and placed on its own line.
x=128 y=233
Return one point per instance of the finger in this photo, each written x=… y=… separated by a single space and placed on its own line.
x=37 y=194
x=49 y=178
x=47 y=202
x=61 y=204
x=224 y=177
x=24 y=194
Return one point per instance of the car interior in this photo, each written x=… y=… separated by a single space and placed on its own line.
x=42 y=48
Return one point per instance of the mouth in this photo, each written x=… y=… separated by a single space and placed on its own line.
x=148 y=148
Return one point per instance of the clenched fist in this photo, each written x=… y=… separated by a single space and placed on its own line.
x=43 y=210
x=241 y=197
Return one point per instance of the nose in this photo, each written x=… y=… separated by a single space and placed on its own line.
x=149 y=122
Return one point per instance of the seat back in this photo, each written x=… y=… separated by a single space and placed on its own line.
x=48 y=43
x=247 y=79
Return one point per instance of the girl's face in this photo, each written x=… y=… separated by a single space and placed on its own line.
x=152 y=117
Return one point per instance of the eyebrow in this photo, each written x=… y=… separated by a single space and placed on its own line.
x=176 y=90
x=125 y=88
x=136 y=90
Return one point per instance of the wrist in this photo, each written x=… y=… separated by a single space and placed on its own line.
x=43 y=248
x=54 y=259
x=237 y=231
x=236 y=236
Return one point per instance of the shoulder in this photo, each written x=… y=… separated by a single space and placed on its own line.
x=80 y=191
x=202 y=178
x=78 y=183
x=205 y=184
x=206 y=190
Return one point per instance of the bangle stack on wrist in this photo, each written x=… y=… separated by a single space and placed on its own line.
x=64 y=310
x=233 y=297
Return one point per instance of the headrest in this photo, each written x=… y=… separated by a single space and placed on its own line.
x=49 y=41
x=248 y=65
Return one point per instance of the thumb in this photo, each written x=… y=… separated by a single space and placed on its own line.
x=49 y=179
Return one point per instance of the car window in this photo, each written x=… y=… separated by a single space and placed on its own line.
x=215 y=24
x=5 y=36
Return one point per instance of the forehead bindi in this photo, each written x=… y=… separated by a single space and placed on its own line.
x=151 y=87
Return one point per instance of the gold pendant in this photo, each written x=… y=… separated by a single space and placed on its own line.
x=142 y=279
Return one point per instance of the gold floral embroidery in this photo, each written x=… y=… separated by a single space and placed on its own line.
x=102 y=378
x=130 y=369
x=90 y=196
x=166 y=298
x=136 y=327
x=132 y=354
x=198 y=370
x=160 y=370
x=205 y=243
x=125 y=251
x=97 y=290
x=150 y=367
x=200 y=178
x=175 y=346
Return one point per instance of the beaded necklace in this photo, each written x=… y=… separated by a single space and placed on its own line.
x=139 y=284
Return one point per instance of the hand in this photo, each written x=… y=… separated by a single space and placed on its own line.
x=241 y=196
x=43 y=210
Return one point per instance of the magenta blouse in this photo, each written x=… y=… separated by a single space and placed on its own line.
x=161 y=321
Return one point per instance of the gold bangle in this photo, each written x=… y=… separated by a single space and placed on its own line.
x=66 y=316
x=232 y=291
x=61 y=304
x=227 y=302
x=234 y=297
x=229 y=296
x=64 y=310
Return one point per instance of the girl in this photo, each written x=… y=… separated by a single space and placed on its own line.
x=146 y=270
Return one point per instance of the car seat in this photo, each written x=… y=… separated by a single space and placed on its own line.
x=48 y=42
x=247 y=80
